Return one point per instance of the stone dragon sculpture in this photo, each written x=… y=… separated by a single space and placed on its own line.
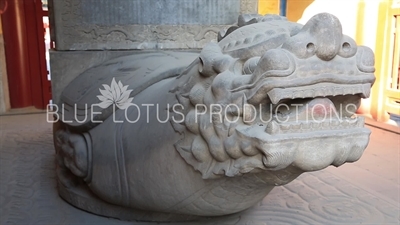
x=217 y=131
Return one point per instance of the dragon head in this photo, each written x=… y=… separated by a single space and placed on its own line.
x=273 y=96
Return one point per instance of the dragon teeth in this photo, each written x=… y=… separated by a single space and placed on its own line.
x=285 y=127
x=305 y=126
x=275 y=128
x=354 y=90
x=338 y=91
x=296 y=126
x=276 y=95
x=272 y=128
x=360 y=121
x=319 y=92
x=366 y=90
x=315 y=125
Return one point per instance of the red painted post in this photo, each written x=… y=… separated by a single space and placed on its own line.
x=23 y=33
x=40 y=86
x=16 y=47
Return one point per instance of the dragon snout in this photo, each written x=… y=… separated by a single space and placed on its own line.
x=321 y=36
x=327 y=32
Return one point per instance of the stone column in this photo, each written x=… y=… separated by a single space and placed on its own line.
x=86 y=30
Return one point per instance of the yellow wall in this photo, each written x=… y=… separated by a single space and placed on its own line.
x=358 y=17
x=268 y=7
x=386 y=62
x=295 y=9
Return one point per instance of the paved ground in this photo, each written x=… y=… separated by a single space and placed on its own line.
x=365 y=192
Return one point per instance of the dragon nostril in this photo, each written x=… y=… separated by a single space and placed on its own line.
x=346 y=47
x=310 y=47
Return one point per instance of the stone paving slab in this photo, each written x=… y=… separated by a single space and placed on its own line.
x=28 y=189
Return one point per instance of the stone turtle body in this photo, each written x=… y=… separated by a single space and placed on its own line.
x=201 y=135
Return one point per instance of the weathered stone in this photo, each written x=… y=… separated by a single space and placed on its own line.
x=142 y=24
x=67 y=65
x=178 y=135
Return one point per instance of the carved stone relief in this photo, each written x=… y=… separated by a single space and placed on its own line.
x=142 y=24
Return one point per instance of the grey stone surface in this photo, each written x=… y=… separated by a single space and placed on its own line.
x=67 y=65
x=158 y=12
x=248 y=6
x=360 y=193
x=202 y=161
x=142 y=24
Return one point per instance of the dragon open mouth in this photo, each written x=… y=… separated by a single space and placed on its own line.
x=316 y=107
x=294 y=122
x=321 y=106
